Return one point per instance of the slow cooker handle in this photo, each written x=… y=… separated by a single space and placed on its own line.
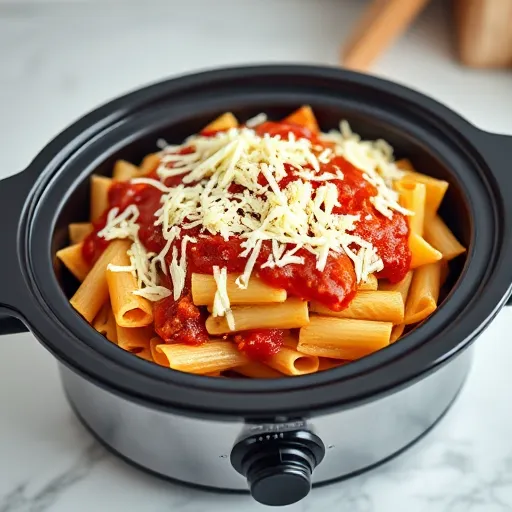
x=13 y=198
x=505 y=142
x=11 y=325
x=497 y=150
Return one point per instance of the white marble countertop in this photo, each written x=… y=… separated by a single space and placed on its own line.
x=58 y=61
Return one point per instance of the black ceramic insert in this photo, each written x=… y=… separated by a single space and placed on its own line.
x=38 y=204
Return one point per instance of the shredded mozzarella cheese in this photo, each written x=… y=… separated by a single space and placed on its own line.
x=297 y=217
x=256 y=120
x=375 y=159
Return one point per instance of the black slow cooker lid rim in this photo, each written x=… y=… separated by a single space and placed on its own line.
x=141 y=97
x=100 y=116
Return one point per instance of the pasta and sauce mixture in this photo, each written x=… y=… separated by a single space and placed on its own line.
x=261 y=250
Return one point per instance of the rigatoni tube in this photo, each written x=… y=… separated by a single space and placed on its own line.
x=383 y=306
x=424 y=293
x=292 y=362
x=422 y=252
x=371 y=284
x=412 y=197
x=130 y=310
x=105 y=323
x=93 y=292
x=78 y=231
x=257 y=370
x=440 y=236
x=72 y=258
x=257 y=292
x=124 y=171
x=223 y=122
x=99 y=196
x=214 y=356
x=343 y=338
x=135 y=339
x=285 y=315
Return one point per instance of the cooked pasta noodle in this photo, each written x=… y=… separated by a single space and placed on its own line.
x=130 y=310
x=78 y=231
x=233 y=252
x=384 y=306
x=343 y=338
x=73 y=260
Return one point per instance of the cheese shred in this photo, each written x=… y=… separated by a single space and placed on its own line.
x=221 y=304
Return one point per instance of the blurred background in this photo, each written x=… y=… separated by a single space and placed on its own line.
x=58 y=59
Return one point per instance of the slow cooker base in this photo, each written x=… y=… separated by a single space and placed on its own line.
x=218 y=490
x=196 y=450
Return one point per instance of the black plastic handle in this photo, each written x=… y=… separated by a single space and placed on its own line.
x=11 y=325
x=13 y=196
x=497 y=149
x=502 y=152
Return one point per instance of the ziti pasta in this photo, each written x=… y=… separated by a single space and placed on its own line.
x=262 y=250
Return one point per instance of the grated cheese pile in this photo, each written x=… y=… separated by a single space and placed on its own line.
x=297 y=217
x=375 y=159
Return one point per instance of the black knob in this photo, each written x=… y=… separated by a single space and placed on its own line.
x=278 y=465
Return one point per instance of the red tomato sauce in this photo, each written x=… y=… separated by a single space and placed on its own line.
x=388 y=236
x=260 y=344
x=274 y=128
x=181 y=321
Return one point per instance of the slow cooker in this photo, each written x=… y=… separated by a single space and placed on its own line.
x=274 y=438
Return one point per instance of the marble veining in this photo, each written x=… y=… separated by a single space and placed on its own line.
x=58 y=60
x=20 y=497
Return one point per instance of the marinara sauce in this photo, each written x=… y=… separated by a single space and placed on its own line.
x=181 y=321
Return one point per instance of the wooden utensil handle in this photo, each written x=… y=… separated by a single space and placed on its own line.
x=380 y=25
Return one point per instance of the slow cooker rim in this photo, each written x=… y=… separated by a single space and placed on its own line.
x=99 y=115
